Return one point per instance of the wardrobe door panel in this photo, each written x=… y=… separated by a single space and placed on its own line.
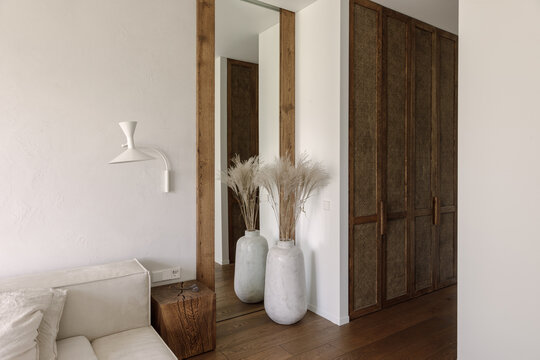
x=365 y=181
x=447 y=250
x=395 y=114
x=396 y=259
x=447 y=145
x=423 y=156
x=365 y=266
x=423 y=249
x=447 y=116
x=365 y=100
x=423 y=117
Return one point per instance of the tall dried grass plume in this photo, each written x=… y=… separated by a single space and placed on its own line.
x=241 y=177
x=294 y=185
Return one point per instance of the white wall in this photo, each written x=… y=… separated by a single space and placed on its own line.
x=268 y=120
x=221 y=225
x=499 y=177
x=440 y=13
x=319 y=113
x=71 y=70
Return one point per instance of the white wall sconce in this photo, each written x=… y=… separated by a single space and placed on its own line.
x=132 y=153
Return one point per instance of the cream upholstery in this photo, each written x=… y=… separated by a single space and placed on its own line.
x=106 y=304
x=137 y=344
x=77 y=347
x=102 y=300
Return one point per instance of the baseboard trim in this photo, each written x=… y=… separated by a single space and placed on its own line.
x=222 y=262
x=335 y=319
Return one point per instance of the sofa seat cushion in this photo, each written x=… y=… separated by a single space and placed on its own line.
x=77 y=347
x=141 y=343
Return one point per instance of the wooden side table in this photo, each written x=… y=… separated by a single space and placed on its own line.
x=185 y=319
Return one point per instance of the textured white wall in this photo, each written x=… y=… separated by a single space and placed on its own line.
x=70 y=70
x=499 y=177
x=268 y=120
x=318 y=132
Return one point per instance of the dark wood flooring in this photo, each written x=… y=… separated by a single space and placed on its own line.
x=228 y=306
x=423 y=328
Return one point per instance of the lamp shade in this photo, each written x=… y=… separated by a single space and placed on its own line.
x=131 y=154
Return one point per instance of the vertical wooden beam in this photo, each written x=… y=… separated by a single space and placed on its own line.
x=205 y=141
x=286 y=90
x=286 y=84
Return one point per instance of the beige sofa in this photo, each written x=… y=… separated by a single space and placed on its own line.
x=107 y=312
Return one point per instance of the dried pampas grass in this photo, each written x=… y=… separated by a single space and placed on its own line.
x=294 y=185
x=242 y=177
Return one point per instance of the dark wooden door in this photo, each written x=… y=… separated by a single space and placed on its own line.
x=395 y=102
x=446 y=198
x=242 y=132
x=365 y=176
x=423 y=157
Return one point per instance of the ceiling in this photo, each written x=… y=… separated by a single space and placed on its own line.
x=292 y=5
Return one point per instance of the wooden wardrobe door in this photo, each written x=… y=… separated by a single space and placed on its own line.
x=242 y=132
x=395 y=102
x=423 y=155
x=445 y=271
x=365 y=176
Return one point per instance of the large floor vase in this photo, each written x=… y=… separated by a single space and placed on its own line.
x=250 y=267
x=285 y=299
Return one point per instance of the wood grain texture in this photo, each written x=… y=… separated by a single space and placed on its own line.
x=186 y=320
x=422 y=328
x=287 y=88
x=287 y=84
x=205 y=44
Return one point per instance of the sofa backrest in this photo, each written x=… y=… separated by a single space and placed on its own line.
x=101 y=300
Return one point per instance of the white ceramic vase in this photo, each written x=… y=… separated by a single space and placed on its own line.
x=285 y=299
x=250 y=266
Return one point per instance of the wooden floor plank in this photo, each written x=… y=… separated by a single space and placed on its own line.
x=447 y=353
x=273 y=353
x=325 y=351
x=266 y=333
x=426 y=346
x=257 y=343
x=391 y=344
x=422 y=328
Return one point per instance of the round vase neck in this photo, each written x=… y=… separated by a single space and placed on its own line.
x=285 y=244
x=252 y=233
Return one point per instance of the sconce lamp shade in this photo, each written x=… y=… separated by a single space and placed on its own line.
x=131 y=154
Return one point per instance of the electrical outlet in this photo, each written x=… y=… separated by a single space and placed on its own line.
x=166 y=274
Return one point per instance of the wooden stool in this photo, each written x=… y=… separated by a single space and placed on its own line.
x=185 y=319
